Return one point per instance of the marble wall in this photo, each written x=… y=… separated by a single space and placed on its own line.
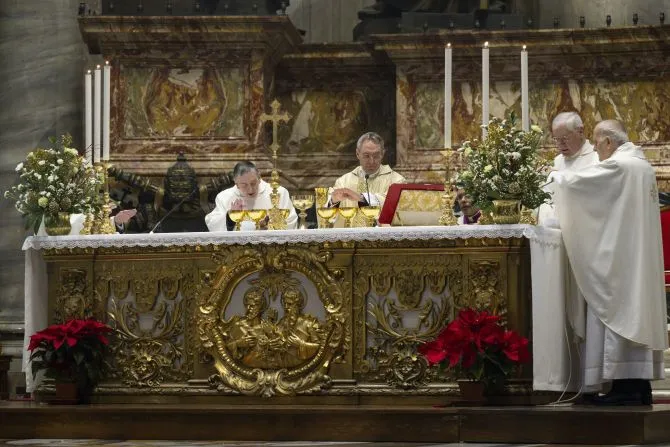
x=41 y=78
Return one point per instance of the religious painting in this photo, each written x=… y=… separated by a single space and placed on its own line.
x=332 y=121
x=183 y=102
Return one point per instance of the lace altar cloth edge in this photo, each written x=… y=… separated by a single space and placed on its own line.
x=286 y=236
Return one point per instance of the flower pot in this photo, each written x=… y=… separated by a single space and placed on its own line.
x=506 y=211
x=472 y=391
x=66 y=393
x=57 y=224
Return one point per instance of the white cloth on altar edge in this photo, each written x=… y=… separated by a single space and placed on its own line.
x=36 y=309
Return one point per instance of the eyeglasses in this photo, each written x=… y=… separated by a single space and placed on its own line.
x=560 y=139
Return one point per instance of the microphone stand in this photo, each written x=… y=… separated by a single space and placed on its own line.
x=173 y=209
x=367 y=187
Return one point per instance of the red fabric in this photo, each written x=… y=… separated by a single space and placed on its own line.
x=393 y=196
x=665 y=233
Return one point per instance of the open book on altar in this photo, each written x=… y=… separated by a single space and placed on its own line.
x=409 y=204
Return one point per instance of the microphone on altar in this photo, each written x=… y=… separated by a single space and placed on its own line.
x=173 y=209
x=367 y=187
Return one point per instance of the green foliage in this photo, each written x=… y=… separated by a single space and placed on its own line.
x=506 y=165
x=53 y=180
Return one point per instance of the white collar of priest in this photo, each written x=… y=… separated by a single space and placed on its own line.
x=383 y=170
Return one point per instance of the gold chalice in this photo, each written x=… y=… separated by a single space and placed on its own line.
x=237 y=216
x=348 y=212
x=327 y=214
x=371 y=213
x=257 y=215
x=302 y=202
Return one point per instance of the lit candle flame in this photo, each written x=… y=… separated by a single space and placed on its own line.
x=486 y=44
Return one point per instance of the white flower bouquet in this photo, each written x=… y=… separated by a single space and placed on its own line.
x=506 y=165
x=54 y=180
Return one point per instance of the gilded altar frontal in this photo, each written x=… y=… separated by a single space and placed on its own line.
x=337 y=320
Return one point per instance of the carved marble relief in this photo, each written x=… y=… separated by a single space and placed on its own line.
x=189 y=102
x=330 y=121
x=639 y=104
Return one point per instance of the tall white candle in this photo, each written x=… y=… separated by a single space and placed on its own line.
x=88 y=116
x=447 y=96
x=97 y=108
x=485 y=87
x=105 y=110
x=525 y=116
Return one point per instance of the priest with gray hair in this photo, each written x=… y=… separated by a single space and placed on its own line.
x=575 y=151
x=609 y=219
x=250 y=192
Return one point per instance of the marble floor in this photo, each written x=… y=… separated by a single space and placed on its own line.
x=145 y=443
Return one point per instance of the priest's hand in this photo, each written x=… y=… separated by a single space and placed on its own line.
x=123 y=216
x=237 y=205
x=344 y=193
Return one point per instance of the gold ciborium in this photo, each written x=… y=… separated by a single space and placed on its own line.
x=257 y=215
x=348 y=212
x=371 y=213
x=327 y=214
x=237 y=216
x=302 y=202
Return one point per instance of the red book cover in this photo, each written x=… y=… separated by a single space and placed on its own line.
x=393 y=196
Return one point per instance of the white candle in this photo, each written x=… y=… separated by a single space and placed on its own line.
x=485 y=88
x=447 y=96
x=88 y=116
x=97 y=108
x=105 y=110
x=525 y=117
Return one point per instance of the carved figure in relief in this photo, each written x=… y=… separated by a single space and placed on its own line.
x=303 y=333
x=72 y=294
x=251 y=340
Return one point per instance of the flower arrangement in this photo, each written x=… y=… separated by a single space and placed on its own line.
x=54 y=180
x=478 y=347
x=71 y=352
x=506 y=165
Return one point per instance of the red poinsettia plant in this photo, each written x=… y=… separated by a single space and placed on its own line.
x=477 y=346
x=71 y=352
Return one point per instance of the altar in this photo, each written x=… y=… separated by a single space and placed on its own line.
x=334 y=313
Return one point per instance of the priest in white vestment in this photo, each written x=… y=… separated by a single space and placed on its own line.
x=368 y=184
x=250 y=192
x=609 y=218
x=575 y=152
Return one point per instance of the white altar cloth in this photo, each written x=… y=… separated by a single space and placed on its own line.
x=545 y=247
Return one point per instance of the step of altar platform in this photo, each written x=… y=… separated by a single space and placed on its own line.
x=538 y=424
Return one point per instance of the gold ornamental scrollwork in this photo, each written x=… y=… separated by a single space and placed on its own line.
x=148 y=310
x=275 y=346
x=402 y=312
x=73 y=299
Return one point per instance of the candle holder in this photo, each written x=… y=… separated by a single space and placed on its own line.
x=448 y=218
x=608 y=20
x=87 y=228
x=661 y=17
x=277 y=221
x=103 y=222
x=582 y=21
x=556 y=22
x=635 y=18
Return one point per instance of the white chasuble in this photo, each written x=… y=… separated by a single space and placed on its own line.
x=378 y=185
x=610 y=223
x=216 y=220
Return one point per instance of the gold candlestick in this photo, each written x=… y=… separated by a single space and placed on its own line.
x=276 y=220
x=448 y=218
x=104 y=223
